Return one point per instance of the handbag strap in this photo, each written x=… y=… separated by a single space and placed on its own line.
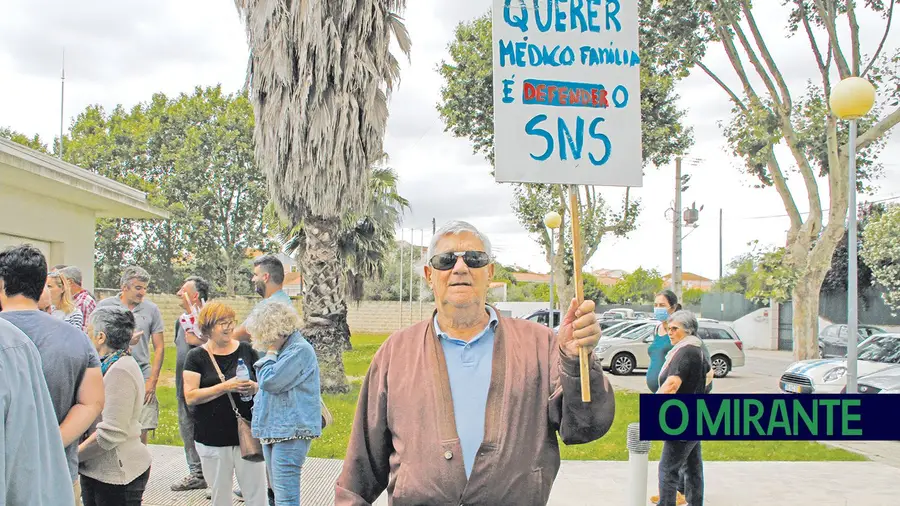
x=222 y=379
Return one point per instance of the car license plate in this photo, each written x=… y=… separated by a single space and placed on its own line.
x=790 y=387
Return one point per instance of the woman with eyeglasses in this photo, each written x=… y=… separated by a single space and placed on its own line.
x=684 y=372
x=215 y=422
x=62 y=301
x=666 y=304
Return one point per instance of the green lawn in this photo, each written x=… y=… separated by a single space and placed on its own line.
x=333 y=442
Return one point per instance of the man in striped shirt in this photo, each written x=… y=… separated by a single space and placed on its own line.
x=83 y=299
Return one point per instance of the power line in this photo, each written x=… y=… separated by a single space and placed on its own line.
x=886 y=199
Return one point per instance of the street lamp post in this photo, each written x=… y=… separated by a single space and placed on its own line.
x=852 y=99
x=552 y=220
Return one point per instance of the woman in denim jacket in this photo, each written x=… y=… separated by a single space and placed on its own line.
x=287 y=413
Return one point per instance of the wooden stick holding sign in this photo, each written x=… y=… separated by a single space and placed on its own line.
x=583 y=353
x=570 y=116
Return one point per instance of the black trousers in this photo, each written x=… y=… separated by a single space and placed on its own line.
x=97 y=493
x=681 y=463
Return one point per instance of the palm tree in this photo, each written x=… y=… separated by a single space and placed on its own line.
x=364 y=241
x=320 y=74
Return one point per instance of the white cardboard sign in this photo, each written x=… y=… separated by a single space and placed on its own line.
x=567 y=106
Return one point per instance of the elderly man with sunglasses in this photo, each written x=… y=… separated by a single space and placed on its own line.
x=464 y=408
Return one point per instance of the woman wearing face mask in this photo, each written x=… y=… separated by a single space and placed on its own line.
x=665 y=304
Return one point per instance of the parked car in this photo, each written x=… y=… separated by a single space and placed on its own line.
x=611 y=328
x=833 y=339
x=622 y=326
x=640 y=315
x=885 y=381
x=627 y=314
x=627 y=351
x=542 y=316
x=829 y=375
x=609 y=315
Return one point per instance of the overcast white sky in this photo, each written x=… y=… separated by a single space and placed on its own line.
x=122 y=52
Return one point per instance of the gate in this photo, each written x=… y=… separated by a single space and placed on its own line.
x=786 y=326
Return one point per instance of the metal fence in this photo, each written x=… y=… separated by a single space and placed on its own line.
x=726 y=306
x=872 y=308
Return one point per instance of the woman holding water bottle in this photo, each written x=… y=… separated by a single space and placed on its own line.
x=287 y=413
x=215 y=423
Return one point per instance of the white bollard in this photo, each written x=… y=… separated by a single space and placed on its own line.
x=638 y=454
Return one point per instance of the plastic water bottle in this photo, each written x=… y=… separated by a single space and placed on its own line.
x=243 y=374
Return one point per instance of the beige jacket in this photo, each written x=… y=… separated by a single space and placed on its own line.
x=121 y=457
x=404 y=436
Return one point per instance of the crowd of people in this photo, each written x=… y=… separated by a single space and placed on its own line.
x=78 y=396
x=462 y=408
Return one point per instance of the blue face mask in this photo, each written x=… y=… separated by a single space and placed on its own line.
x=661 y=313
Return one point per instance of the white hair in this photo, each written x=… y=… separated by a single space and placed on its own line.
x=454 y=228
x=270 y=322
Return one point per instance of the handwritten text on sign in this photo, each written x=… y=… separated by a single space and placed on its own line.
x=567 y=92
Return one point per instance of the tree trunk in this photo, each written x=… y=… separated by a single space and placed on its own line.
x=806 y=318
x=806 y=294
x=564 y=286
x=229 y=276
x=324 y=309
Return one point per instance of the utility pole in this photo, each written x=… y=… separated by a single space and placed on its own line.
x=421 y=280
x=411 y=274
x=721 y=266
x=720 y=245
x=400 y=291
x=676 y=233
x=62 y=105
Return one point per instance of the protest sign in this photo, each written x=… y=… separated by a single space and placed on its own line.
x=567 y=105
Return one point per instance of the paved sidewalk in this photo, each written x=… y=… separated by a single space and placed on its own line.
x=593 y=483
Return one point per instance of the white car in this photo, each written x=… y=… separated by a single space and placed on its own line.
x=829 y=376
x=628 y=351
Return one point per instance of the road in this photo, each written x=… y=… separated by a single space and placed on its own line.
x=759 y=375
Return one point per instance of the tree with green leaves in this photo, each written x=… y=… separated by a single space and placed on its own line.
x=33 y=142
x=692 y=296
x=638 y=287
x=740 y=270
x=593 y=290
x=467 y=108
x=320 y=76
x=766 y=113
x=881 y=251
x=193 y=155
x=366 y=240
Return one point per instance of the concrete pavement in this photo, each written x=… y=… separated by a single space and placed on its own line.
x=592 y=483
x=760 y=375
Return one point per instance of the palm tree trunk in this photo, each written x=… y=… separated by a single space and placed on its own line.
x=324 y=310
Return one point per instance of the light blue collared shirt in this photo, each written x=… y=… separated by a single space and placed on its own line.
x=469 y=369
x=279 y=296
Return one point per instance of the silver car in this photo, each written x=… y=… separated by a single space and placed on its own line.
x=627 y=351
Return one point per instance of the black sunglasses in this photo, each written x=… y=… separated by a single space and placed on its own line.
x=473 y=259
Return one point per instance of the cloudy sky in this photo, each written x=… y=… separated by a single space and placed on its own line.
x=122 y=52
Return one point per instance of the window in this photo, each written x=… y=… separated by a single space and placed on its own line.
x=703 y=333
x=885 y=349
x=720 y=334
x=831 y=331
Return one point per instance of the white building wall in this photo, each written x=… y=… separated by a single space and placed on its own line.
x=66 y=230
